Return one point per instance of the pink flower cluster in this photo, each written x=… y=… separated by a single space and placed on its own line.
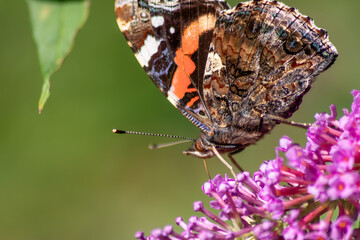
x=315 y=195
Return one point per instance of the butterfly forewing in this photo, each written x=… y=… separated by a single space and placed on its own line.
x=171 y=40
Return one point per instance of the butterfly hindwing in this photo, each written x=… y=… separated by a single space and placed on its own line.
x=263 y=58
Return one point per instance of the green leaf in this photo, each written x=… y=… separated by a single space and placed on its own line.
x=54 y=25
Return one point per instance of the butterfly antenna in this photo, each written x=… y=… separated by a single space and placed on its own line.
x=157 y=146
x=151 y=134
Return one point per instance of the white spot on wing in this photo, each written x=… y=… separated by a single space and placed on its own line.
x=149 y=48
x=157 y=21
x=172 y=30
x=120 y=3
x=213 y=63
x=168 y=6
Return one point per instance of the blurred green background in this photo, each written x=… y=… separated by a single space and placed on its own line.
x=65 y=175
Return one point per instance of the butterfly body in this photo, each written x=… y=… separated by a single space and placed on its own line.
x=232 y=72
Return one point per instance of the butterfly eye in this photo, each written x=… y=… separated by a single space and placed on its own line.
x=144 y=16
x=201 y=112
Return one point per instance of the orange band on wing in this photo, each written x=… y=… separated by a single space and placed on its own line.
x=192 y=101
x=180 y=83
x=184 y=62
x=190 y=44
x=190 y=40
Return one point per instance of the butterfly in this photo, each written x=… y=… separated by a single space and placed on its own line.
x=233 y=72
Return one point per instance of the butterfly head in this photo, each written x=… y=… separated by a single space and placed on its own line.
x=203 y=148
x=200 y=149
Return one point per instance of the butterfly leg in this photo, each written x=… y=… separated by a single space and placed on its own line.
x=223 y=161
x=230 y=155
x=292 y=123
x=206 y=168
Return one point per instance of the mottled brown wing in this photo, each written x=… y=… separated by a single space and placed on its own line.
x=262 y=60
x=170 y=39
